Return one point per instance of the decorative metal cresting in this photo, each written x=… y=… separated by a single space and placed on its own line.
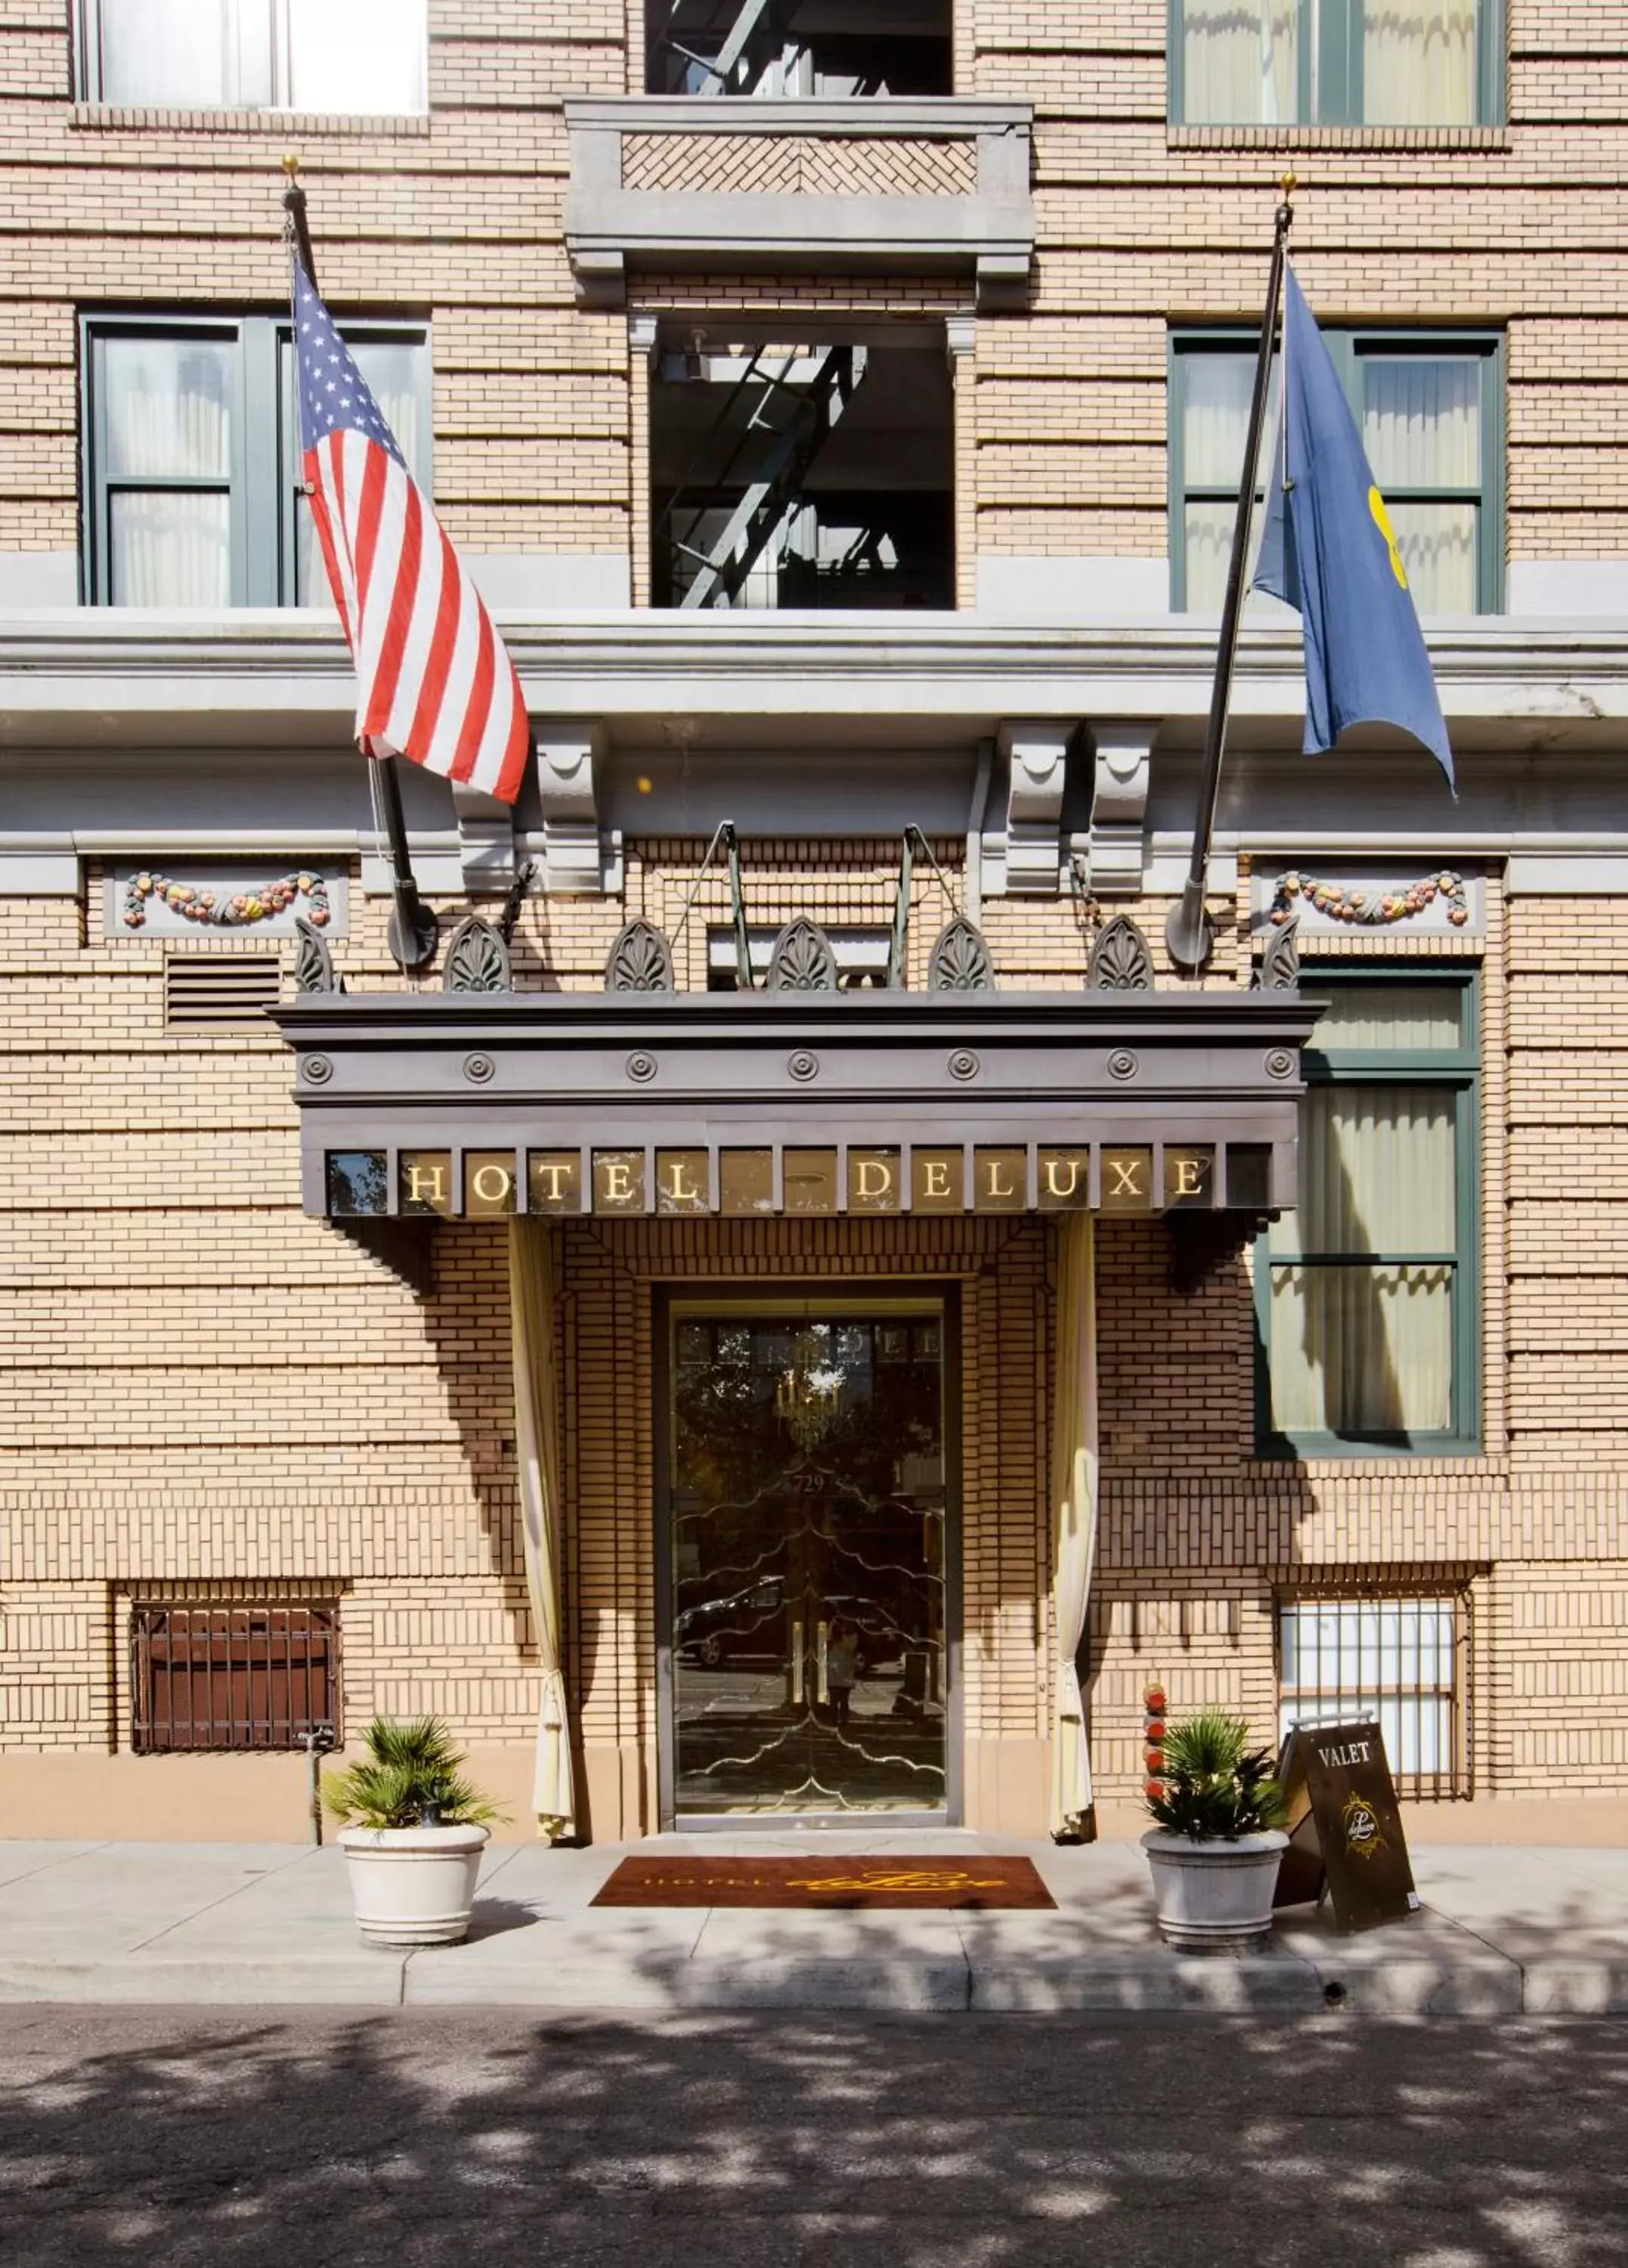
x=640 y=960
x=1120 y=960
x=477 y=959
x=802 y=960
x=959 y=961
x=313 y=960
x=1280 y=967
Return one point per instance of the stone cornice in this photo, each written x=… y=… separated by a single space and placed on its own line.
x=93 y=671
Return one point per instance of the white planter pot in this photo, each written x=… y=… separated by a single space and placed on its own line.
x=1213 y=1898
x=414 y=1885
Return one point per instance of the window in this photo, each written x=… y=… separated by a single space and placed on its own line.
x=185 y=504
x=813 y=473
x=364 y=57
x=840 y=48
x=1367 y=1295
x=1430 y=410
x=231 y=1676
x=1283 y=62
x=1396 y=1660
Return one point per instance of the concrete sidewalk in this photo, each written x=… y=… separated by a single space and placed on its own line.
x=1502 y=1930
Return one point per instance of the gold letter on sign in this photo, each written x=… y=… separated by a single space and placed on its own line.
x=1187 y=1176
x=488 y=1182
x=619 y=1180
x=1127 y=1181
x=1064 y=1179
x=873 y=1180
x=1000 y=1181
x=425 y=1182
x=681 y=1180
x=937 y=1180
x=555 y=1181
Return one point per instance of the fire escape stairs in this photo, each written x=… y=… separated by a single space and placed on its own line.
x=810 y=412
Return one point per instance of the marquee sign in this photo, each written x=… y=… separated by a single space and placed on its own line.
x=457 y=1105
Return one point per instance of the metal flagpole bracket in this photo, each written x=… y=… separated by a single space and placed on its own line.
x=1190 y=930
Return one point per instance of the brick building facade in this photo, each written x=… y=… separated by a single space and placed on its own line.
x=986 y=286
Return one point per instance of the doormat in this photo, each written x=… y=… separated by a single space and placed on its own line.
x=854 y=1884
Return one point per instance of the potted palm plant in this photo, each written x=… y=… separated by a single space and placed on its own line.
x=1214 y=1852
x=414 y=1830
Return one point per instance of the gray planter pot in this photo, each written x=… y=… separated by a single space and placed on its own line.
x=1213 y=1898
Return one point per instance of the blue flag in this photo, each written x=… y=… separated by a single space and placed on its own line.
x=1328 y=549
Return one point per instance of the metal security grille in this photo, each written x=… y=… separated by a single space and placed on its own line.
x=232 y=1676
x=1400 y=1660
x=222 y=993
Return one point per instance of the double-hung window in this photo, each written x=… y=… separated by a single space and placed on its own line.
x=1367 y=1295
x=1430 y=408
x=193 y=483
x=1364 y=63
x=358 y=57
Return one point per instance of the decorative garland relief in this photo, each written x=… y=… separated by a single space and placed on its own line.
x=212 y=909
x=1370 y=909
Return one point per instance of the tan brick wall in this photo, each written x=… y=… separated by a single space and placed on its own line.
x=205 y=1394
x=459 y=217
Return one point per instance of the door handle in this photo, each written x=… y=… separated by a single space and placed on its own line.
x=822 y=1691
x=796 y=1665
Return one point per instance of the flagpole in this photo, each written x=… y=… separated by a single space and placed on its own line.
x=414 y=931
x=1189 y=931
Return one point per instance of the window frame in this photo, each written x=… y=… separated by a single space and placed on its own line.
x=1337 y=100
x=1454 y=1069
x=90 y=74
x=259 y=487
x=1349 y=346
x=1455 y=1782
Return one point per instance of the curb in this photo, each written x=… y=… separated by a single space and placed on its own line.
x=1122 y=1984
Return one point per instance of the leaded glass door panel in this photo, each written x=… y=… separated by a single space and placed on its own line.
x=805 y=1518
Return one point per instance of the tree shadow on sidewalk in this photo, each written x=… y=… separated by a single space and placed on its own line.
x=426 y=2136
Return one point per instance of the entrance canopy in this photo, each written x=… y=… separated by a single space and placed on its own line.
x=861 y=1102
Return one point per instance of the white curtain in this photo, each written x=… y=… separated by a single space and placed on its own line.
x=1355 y=1347
x=1419 y=62
x=167 y=407
x=1421 y=427
x=1239 y=63
x=1215 y=390
x=365 y=57
x=537 y=1449
x=1074 y=1496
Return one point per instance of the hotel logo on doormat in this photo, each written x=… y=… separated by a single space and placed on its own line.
x=846 y=1883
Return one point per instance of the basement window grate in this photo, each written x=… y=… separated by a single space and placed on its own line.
x=219 y=992
x=231 y=1676
x=1399 y=1661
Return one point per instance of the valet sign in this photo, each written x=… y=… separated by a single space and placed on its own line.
x=839 y=1178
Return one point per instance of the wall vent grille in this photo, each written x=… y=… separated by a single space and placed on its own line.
x=222 y=992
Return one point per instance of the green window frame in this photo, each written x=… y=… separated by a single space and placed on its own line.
x=1455 y=1071
x=1352 y=350
x=260 y=485
x=1329 y=50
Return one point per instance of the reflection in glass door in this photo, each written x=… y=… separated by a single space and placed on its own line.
x=805 y=1514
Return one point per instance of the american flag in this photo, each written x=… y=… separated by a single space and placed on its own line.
x=435 y=680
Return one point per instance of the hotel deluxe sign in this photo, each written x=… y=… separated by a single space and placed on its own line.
x=565 y=1104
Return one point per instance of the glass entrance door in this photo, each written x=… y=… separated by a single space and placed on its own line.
x=804 y=1517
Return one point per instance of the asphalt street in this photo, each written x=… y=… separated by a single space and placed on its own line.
x=486 y=2136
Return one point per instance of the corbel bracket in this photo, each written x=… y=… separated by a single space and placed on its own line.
x=579 y=857
x=1121 y=766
